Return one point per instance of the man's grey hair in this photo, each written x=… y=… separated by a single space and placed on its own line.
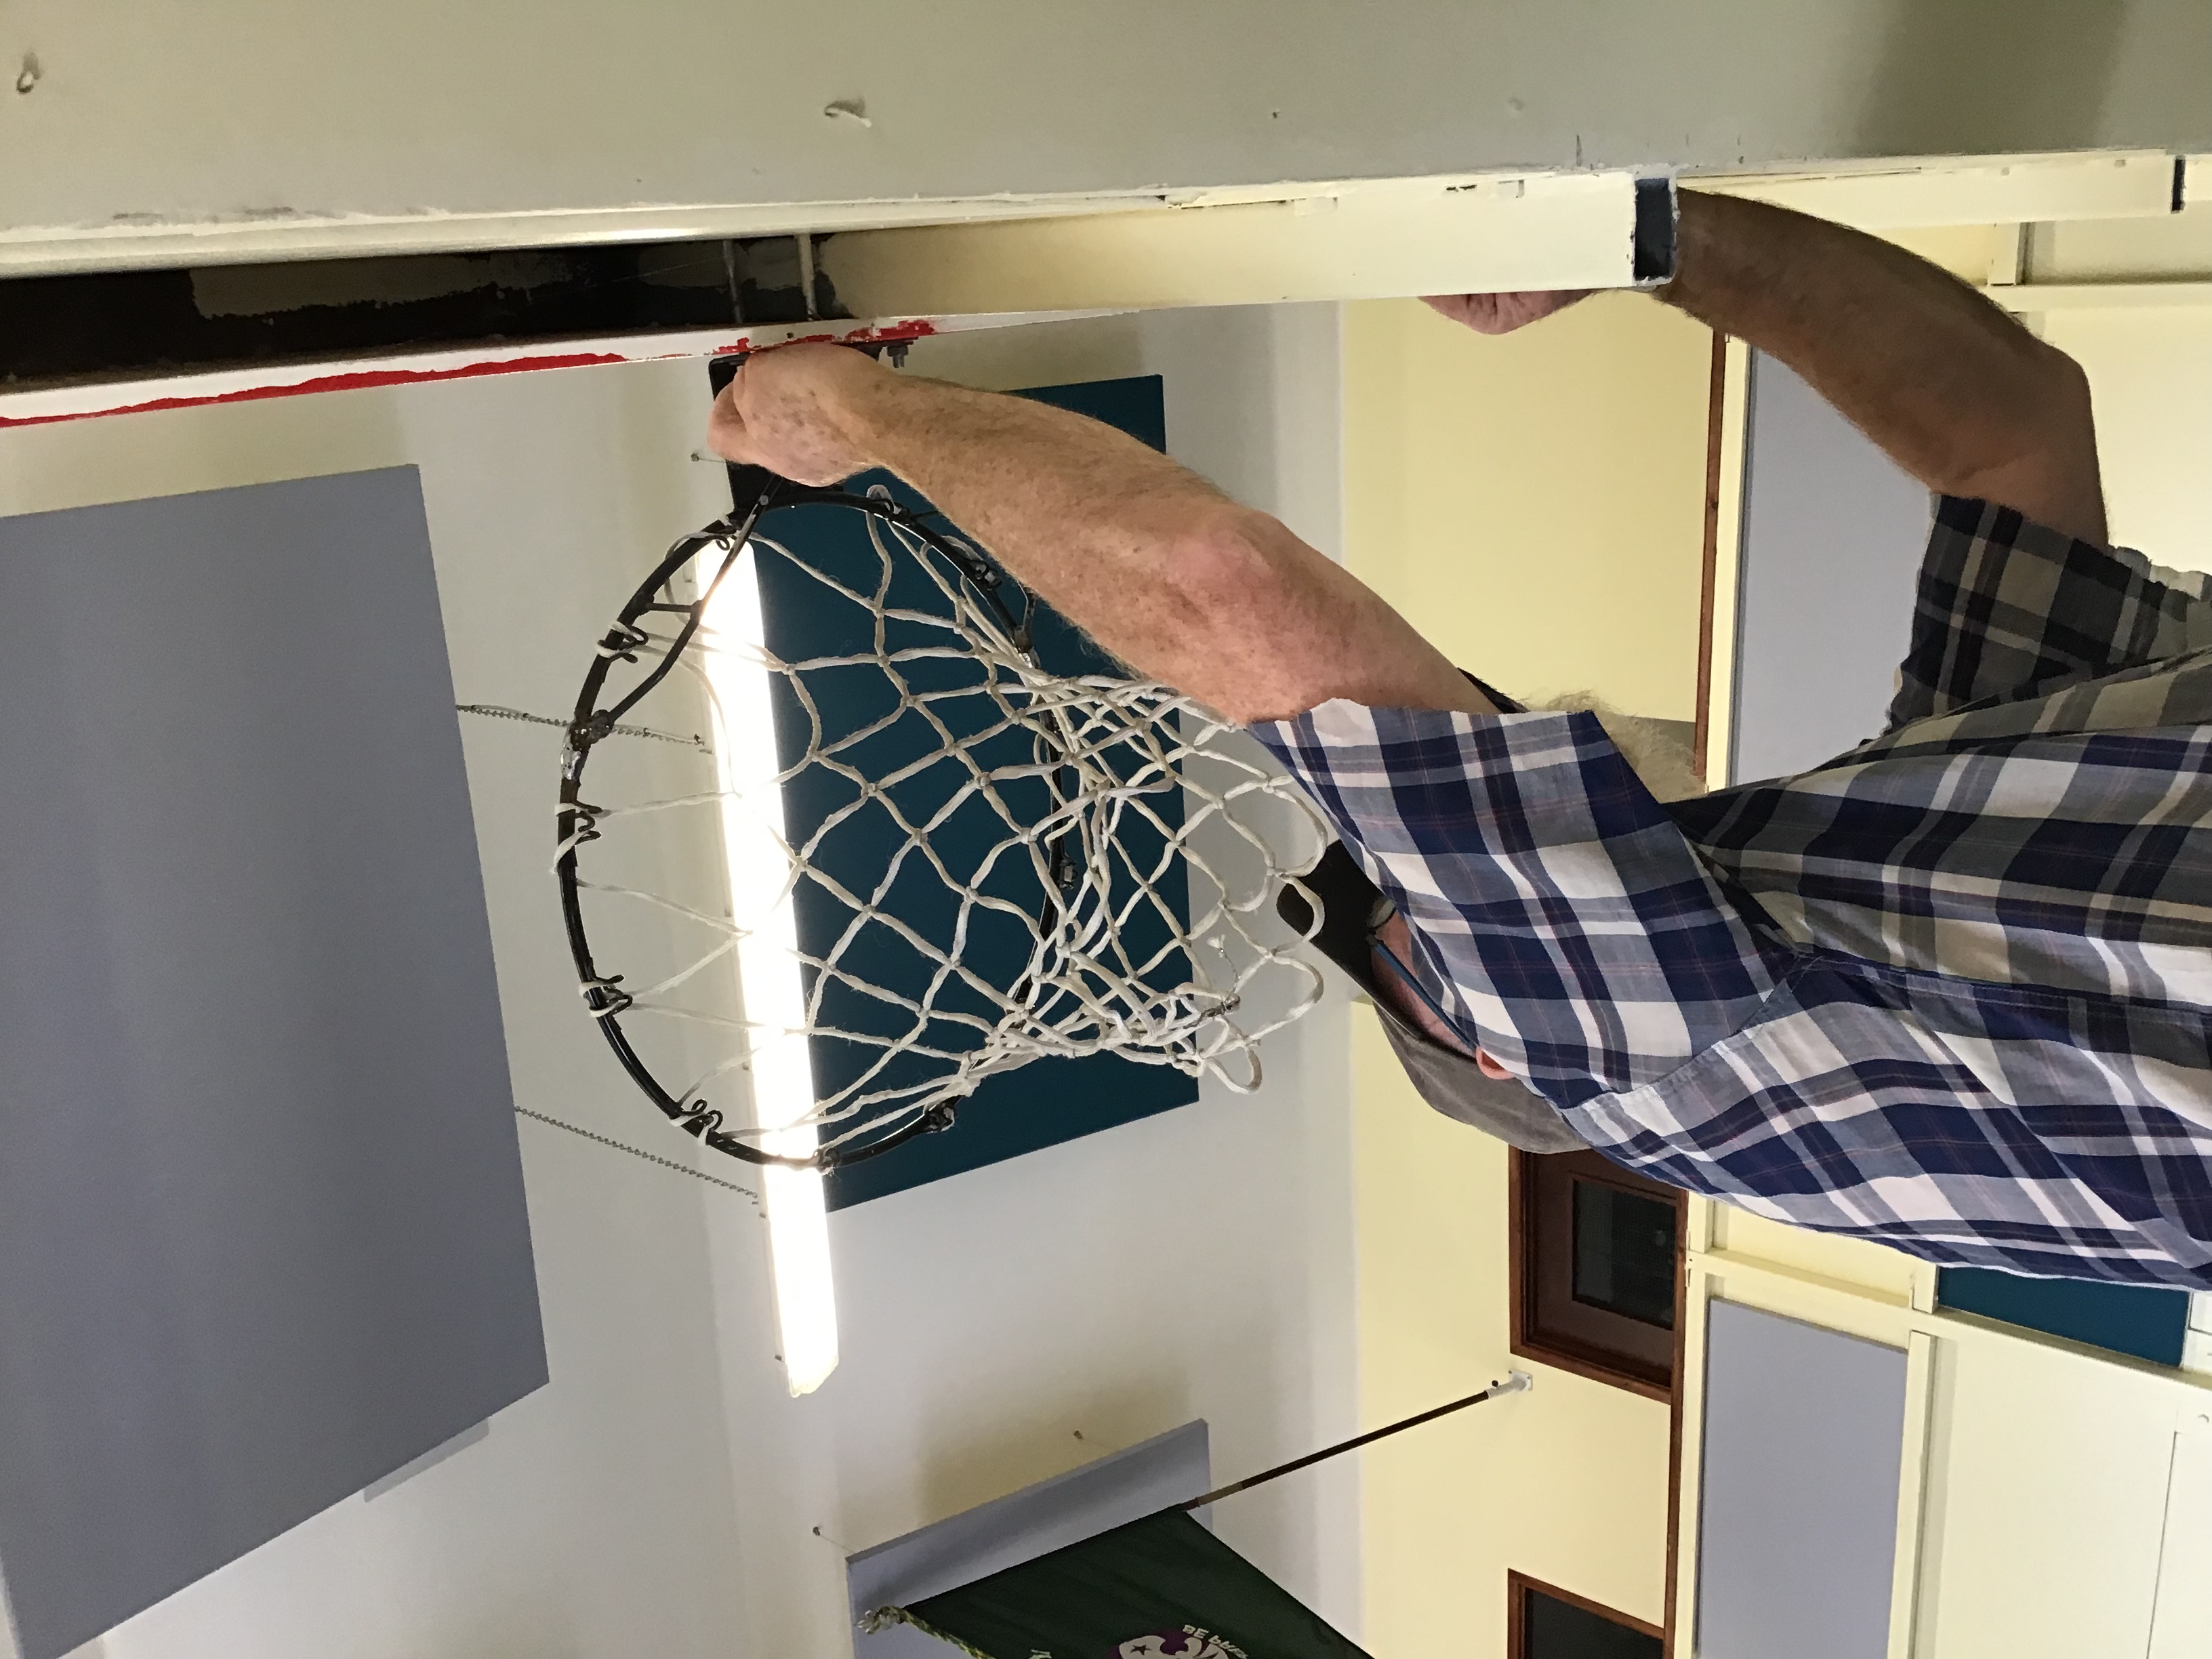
x=1655 y=749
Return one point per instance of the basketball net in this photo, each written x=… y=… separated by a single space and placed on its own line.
x=1100 y=856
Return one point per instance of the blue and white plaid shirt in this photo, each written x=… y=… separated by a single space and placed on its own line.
x=1952 y=991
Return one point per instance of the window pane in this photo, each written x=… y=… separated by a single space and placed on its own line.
x=1625 y=1252
x=1560 y=1630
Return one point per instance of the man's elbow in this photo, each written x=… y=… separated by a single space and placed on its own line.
x=2065 y=408
x=2044 y=462
x=1229 y=562
x=1247 y=595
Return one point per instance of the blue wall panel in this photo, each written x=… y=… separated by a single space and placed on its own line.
x=2146 y=1320
x=1048 y=1101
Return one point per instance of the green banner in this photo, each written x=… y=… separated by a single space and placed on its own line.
x=1162 y=1588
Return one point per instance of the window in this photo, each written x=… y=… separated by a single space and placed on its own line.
x=1544 y=1622
x=1596 y=1269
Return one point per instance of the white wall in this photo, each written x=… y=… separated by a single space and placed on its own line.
x=314 y=123
x=2050 y=1491
x=662 y=1496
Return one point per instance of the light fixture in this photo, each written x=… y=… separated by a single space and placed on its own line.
x=782 y=1067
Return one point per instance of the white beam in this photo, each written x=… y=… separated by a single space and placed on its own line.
x=2032 y=297
x=1988 y=191
x=257 y=238
x=146 y=122
x=1911 y=1495
x=1383 y=240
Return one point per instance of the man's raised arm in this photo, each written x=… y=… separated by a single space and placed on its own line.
x=1960 y=394
x=1158 y=566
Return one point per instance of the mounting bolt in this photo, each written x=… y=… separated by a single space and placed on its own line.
x=30 y=74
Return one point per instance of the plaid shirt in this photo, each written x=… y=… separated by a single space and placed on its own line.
x=1949 y=991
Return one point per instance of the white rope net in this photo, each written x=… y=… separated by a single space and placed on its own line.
x=938 y=861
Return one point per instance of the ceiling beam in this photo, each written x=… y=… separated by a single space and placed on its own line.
x=1372 y=241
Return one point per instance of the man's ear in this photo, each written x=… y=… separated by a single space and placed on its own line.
x=1489 y=1067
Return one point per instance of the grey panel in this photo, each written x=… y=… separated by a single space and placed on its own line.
x=1832 y=538
x=1127 y=1486
x=1804 y=1438
x=261 y=1204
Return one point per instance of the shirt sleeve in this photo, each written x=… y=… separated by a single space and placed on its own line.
x=1558 y=914
x=2009 y=608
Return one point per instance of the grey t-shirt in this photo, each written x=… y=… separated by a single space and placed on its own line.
x=1456 y=1086
x=1351 y=908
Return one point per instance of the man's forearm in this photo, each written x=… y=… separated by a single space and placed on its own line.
x=1957 y=392
x=1158 y=566
x=1061 y=498
x=1093 y=521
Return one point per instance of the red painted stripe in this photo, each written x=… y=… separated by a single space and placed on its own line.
x=915 y=329
x=360 y=380
x=354 y=380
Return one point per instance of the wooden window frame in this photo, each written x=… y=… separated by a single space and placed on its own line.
x=1527 y=1336
x=1517 y=1587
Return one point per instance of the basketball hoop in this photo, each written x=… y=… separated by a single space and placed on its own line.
x=940 y=862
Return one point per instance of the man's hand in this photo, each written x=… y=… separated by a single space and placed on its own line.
x=790 y=409
x=1162 y=569
x=1501 y=313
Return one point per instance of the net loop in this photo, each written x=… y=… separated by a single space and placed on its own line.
x=582 y=822
x=605 y=997
x=701 y=1121
x=624 y=642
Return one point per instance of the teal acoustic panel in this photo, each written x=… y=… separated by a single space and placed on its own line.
x=1048 y=1102
x=2147 y=1321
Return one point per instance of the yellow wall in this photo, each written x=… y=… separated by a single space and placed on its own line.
x=2057 y=1494
x=1567 y=1484
x=2026 y=1438
x=1536 y=503
x=2150 y=374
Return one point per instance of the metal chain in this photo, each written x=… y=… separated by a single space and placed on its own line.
x=493 y=711
x=636 y=1151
